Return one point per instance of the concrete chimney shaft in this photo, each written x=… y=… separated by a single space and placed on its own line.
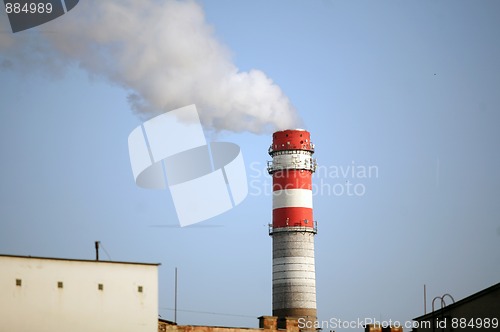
x=293 y=227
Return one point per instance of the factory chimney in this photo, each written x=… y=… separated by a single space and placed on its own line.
x=293 y=228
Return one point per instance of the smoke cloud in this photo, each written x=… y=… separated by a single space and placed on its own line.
x=164 y=53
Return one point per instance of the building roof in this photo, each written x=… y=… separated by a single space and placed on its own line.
x=459 y=303
x=166 y=321
x=80 y=260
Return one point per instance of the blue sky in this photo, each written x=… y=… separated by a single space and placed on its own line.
x=408 y=88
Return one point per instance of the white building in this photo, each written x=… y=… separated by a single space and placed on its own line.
x=52 y=295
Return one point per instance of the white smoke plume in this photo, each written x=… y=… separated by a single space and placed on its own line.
x=164 y=53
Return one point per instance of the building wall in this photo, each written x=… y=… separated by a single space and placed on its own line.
x=39 y=304
x=380 y=328
x=266 y=324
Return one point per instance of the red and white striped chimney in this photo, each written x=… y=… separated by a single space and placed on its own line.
x=293 y=227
